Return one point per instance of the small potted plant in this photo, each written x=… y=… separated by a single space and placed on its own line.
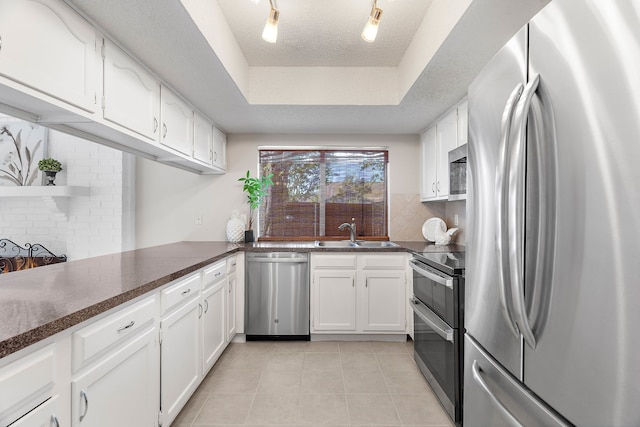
x=256 y=189
x=50 y=167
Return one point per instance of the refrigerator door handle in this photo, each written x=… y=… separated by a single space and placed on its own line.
x=502 y=243
x=504 y=412
x=517 y=189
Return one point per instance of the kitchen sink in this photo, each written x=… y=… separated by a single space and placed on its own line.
x=335 y=244
x=375 y=244
x=362 y=244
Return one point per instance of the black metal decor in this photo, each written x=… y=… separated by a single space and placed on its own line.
x=14 y=257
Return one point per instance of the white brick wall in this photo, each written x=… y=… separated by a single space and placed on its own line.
x=98 y=224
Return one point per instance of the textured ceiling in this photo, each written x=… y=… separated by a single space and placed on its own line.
x=324 y=32
x=164 y=37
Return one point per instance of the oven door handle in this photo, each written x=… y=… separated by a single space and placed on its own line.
x=432 y=319
x=445 y=281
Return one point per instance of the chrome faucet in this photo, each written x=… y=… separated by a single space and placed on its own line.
x=352 y=229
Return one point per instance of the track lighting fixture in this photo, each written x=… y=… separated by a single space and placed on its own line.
x=369 y=33
x=371 y=28
x=270 y=32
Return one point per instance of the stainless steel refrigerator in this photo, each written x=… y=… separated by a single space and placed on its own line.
x=552 y=306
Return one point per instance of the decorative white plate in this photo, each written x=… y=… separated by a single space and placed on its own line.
x=429 y=228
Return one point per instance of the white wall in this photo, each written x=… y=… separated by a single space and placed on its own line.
x=86 y=226
x=168 y=200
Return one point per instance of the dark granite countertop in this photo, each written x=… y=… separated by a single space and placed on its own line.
x=38 y=303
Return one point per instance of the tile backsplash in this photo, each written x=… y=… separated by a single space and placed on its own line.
x=408 y=214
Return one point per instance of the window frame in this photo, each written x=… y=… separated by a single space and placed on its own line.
x=387 y=190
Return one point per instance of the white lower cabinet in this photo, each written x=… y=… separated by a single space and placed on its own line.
x=334 y=300
x=180 y=369
x=45 y=415
x=383 y=301
x=121 y=389
x=136 y=366
x=361 y=293
x=213 y=326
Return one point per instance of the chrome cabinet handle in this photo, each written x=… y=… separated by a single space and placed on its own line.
x=0 y=42
x=201 y=311
x=155 y=125
x=366 y=283
x=122 y=328
x=433 y=187
x=506 y=415
x=502 y=243
x=445 y=281
x=230 y=286
x=186 y=292
x=164 y=130
x=83 y=395
x=515 y=222
x=438 y=186
x=215 y=156
x=206 y=306
x=218 y=273
x=54 y=421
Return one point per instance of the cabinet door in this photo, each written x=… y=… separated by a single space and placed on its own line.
x=447 y=140
x=334 y=300
x=463 y=122
x=46 y=46
x=202 y=139
x=180 y=354
x=231 y=306
x=131 y=93
x=428 y=163
x=122 y=389
x=213 y=326
x=45 y=415
x=382 y=302
x=177 y=122
x=219 y=149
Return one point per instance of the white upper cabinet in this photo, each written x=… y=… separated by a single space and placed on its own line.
x=131 y=93
x=177 y=122
x=428 y=161
x=219 y=149
x=449 y=132
x=202 y=139
x=46 y=46
x=463 y=122
x=447 y=140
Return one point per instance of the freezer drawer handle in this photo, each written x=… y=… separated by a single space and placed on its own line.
x=506 y=415
x=431 y=319
x=446 y=280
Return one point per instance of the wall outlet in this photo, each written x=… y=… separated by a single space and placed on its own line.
x=199 y=219
x=455 y=219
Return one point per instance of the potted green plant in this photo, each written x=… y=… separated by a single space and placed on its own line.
x=256 y=189
x=50 y=167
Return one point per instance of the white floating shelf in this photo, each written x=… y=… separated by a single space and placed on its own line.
x=44 y=191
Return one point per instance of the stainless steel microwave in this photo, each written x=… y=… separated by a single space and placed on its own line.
x=458 y=173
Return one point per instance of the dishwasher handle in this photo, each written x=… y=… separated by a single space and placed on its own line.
x=279 y=260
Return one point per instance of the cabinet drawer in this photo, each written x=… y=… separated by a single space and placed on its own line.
x=232 y=263
x=335 y=261
x=92 y=340
x=214 y=274
x=383 y=261
x=181 y=291
x=26 y=383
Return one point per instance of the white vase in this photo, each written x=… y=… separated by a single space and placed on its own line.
x=235 y=228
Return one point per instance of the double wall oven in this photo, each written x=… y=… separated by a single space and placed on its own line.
x=437 y=302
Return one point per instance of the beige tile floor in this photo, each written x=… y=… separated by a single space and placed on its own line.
x=314 y=383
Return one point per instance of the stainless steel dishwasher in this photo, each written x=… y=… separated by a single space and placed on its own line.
x=277 y=295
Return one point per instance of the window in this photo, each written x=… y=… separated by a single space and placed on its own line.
x=315 y=191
